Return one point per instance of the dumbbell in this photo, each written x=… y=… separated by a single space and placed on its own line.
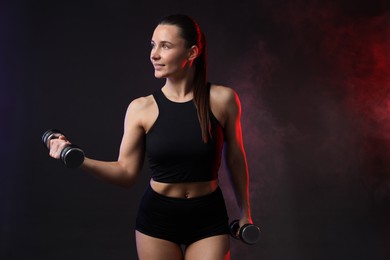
x=248 y=233
x=72 y=155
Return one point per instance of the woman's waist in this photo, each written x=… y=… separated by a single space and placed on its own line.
x=184 y=190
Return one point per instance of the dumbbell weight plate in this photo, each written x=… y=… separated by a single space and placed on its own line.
x=72 y=156
x=49 y=135
x=234 y=226
x=250 y=234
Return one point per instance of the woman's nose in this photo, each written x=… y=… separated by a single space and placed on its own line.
x=154 y=54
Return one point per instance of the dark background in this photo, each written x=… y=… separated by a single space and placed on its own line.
x=313 y=78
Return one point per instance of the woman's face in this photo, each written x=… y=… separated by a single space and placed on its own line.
x=169 y=55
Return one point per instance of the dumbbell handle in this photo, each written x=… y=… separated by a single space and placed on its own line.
x=248 y=233
x=72 y=155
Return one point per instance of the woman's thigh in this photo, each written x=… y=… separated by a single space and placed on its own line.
x=210 y=248
x=151 y=248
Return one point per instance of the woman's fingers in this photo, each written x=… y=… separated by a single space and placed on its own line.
x=57 y=145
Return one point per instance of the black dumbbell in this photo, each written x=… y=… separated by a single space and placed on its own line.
x=248 y=233
x=72 y=155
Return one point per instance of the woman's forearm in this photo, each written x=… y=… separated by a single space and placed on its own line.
x=112 y=172
x=239 y=176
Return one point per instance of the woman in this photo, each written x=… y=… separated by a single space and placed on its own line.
x=182 y=129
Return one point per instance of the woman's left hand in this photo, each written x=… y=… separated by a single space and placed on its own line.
x=245 y=220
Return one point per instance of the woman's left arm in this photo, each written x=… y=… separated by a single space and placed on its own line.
x=235 y=157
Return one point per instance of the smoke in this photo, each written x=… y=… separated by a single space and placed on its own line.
x=324 y=80
x=315 y=92
x=360 y=51
x=350 y=42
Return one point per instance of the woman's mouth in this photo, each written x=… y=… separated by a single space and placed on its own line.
x=158 y=66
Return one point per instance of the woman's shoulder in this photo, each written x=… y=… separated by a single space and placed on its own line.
x=223 y=102
x=222 y=94
x=142 y=103
x=141 y=107
x=142 y=111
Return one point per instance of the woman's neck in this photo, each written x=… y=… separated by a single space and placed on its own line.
x=179 y=88
x=179 y=92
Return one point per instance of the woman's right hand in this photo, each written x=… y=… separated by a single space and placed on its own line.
x=56 y=145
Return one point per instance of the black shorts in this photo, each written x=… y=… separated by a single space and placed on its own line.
x=182 y=221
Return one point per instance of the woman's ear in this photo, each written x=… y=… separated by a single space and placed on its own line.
x=193 y=53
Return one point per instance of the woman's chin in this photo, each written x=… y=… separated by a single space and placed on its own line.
x=159 y=75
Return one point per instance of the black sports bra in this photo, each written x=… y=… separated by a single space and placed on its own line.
x=174 y=145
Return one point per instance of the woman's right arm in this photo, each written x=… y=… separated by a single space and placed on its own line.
x=126 y=169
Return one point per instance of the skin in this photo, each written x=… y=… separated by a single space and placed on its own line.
x=174 y=62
